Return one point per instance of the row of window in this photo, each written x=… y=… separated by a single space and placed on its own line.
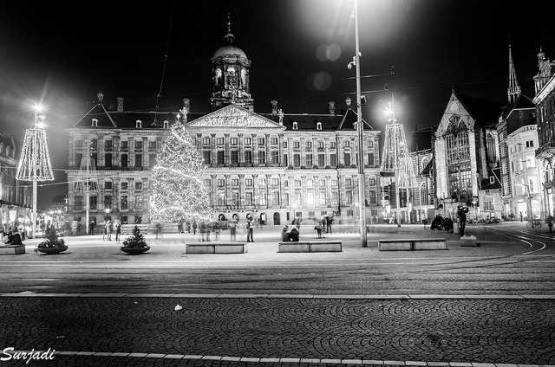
x=124 y=160
x=124 y=144
x=308 y=159
x=138 y=203
x=275 y=182
x=299 y=199
x=274 y=141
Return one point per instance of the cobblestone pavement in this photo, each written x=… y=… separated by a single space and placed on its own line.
x=455 y=330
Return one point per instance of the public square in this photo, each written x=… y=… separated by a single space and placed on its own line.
x=98 y=306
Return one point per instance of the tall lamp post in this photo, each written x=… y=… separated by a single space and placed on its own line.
x=360 y=130
x=34 y=164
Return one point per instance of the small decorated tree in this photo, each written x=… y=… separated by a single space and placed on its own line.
x=177 y=187
x=136 y=243
x=52 y=243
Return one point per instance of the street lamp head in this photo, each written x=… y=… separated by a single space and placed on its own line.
x=38 y=108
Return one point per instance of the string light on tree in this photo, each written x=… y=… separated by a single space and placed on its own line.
x=34 y=164
x=178 y=190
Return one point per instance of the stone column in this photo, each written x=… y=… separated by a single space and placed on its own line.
x=267 y=141
x=227 y=160
x=214 y=193
x=241 y=150
x=241 y=191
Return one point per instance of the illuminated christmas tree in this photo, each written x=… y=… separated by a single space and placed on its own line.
x=177 y=186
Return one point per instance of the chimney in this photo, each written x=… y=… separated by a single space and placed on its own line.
x=348 y=102
x=120 y=104
x=274 y=107
x=331 y=106
x=185 y=109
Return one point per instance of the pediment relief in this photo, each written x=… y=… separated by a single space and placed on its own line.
x=455 y=117
x=234 y=117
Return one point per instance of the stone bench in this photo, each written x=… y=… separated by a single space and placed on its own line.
x=216 y=248
x=469 y=241
x=412 y=244
x=311 y=246
x=12 y=250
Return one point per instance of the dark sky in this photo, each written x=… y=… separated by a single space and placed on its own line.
x=65 y=52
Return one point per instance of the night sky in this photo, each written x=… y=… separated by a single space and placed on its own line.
x=63 y=53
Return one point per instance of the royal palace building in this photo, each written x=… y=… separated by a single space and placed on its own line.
x=275 y=166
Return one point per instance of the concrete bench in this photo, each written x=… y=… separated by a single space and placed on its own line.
x=12 y=250
x=412 y=244
x=216 y=248
x=469 y=241
x=311 y=246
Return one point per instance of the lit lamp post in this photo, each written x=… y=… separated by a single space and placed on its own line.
x=360 y=130
x=34 y=164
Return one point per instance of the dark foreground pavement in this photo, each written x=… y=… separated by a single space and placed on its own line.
x=427 y=330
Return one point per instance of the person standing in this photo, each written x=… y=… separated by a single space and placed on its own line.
x=180 y=226
x=233 y=231
x=461 y=214
x=202 y=230
x=329 y=221
x=250 y=231
x=109 y=229
x=195 y=227
x=118 y=230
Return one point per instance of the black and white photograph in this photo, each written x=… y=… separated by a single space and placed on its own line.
x=277 y=183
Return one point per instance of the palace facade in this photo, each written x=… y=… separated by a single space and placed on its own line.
x=274 y=166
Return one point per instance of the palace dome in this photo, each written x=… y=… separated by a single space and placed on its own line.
x=230 y=50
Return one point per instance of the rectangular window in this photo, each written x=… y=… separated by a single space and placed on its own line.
x=94 y=143
x=333 y=160
x=334 y=183
x=206 y=156
x=296 y=144
x=321 y=160
x=322 y=199
x=309 y=183
x=275 y=181
x=261 y=141
x=138 y=145
x=309 y=160
x=138 y=202
x=285 y=160
x=275 y=141
x=234 y=141
x=298 y=183
x=286 y=183
x=235 y=182
x=138 y=160
x=262 y=181
x=285 y=199
x=332 y=145
x=370 y=144
x=248 y=141
x=207 y=183
x=108 y=160
x=298 y=199
x=334 y=198
x=78 y=144
x=124 y=145
x=248 y=157
x=310 y=198
x=234 y=157
x=124 y=185
x=275 y=157
x=221 y=182
x=322 y=183
x=220 y=156
x=93 y=202
x=370 y=159
x=372 y=182
x=107 y=201
x=108 y=144
x=138 y=185
x=261 y=157
x=348 y=197
x=262 y=199
x=296 y=160
x=220 y=141
x=275 y=198
x=348 y=182
x=78 y=202
x=108 y=185
x=248 y=182
x=152 y=145
x=308 y=145
x=248 y=198
x=94 y=157
x=124 y=202
x=285 y=144
x=347 y=159
x=124 y=161
x=152 y=160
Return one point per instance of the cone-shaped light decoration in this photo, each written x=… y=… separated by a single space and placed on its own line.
x=34 y=164
x=177 y=185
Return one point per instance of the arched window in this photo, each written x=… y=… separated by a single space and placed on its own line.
x=490 y=146
x=295 y=125
x=318 y=126
x=139 y=124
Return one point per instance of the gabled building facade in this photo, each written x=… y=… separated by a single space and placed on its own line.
x=466 y=150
